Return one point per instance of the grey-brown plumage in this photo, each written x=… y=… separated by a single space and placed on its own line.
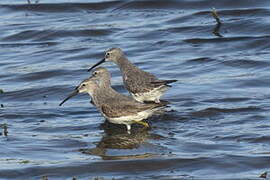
x=142 y=85
x=117 y=108
x=103 y=78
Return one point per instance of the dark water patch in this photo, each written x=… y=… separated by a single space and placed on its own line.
x=75 y=50
x=232 y=137
x=29 y=94
x=228 y=100
x=250 y=138
x=201 y=4
x=12 y=116
x=66 y=128
x=35 y=76
x=259 y=118
x=204 y=148
x=227 y=163
x=259 y=139
x=26 y=117
x=230 y=44
x=96 y=168
x=199 y=61
x=62 y=7
x=3 y=76
x=152 y=34
x=8 y=45
x=203 y=30
x=262 y=82
x=250 y=12
x=64 y=144
x=245 y=63
x=78 y=109
x=208 y=112
x=225 y=39
x=169 y=115
x=244 y=28
x=149 y=4
x=134 y=156
x=46 y=35
x=187 y=18
x=78 y=56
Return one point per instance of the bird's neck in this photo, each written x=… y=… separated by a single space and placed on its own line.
x=93 y=92
x=125 y=65
x=105 y=83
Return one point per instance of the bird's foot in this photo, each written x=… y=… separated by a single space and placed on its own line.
x=145 y=124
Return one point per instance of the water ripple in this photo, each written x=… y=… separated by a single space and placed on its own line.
x=217 y=120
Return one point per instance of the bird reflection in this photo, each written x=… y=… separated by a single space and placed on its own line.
x=115 y=138
x=216 y=30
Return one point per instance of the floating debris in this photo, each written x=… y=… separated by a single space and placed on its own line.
x=218 y=25
x=44 y=178
x=263 y=175
x=1 y=91
x=2 y=105
x=98 y=178
x=5 y=129
x=29 y=1
x=215 y=15
x=25 y=162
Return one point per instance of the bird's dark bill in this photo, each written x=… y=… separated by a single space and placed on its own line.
x=100 y=62
x=74 y=93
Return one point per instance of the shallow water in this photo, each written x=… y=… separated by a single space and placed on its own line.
x=217 y=126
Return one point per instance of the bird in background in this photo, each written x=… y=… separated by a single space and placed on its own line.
x=143 y=86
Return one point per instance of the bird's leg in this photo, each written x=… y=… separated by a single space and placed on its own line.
x=128 y=128
x=145 y=124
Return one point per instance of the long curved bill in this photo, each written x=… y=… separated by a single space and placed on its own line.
x=100 y=62
x=74 y=93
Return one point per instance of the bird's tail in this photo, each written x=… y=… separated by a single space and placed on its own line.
x=162 y=103
x=163 y=82
x=170 y=81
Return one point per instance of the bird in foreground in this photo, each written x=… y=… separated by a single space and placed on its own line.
x=143 y=86
x=103 y=77
x=115 y=107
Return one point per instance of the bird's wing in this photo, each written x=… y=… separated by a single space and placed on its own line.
x=114 y=110
x=139 y=82
x=162 y=82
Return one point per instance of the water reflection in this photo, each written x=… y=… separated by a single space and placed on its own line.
x=118 y=144
x=216 y=30
x=5 y=129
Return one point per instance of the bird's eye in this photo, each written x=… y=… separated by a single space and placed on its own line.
x=107 y=54
x=83 y=85
x=95 y=73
